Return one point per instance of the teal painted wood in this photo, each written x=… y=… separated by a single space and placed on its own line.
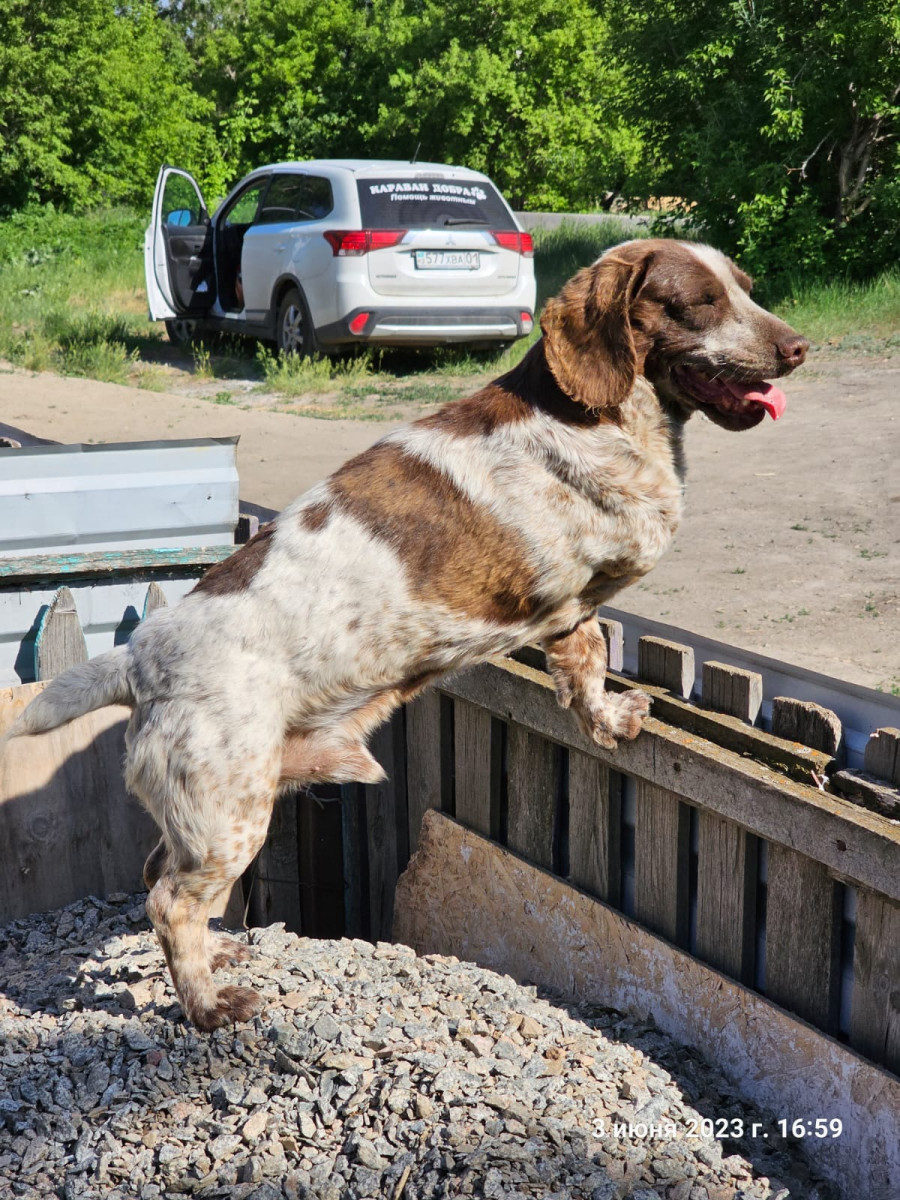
x=34 y=567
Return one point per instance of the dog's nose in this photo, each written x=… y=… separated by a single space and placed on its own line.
x=793 y=349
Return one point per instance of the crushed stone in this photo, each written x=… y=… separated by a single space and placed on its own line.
x=371 y=1073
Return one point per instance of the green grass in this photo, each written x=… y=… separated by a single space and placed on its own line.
x=71 y=292
x=855 y=317
x=559 y=253
x=72 y=300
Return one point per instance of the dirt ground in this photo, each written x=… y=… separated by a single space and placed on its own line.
x=791 y=539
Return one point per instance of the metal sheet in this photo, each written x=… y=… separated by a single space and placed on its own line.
x=121 y=496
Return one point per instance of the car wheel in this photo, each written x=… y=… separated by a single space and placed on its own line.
x=295 y=331
x=182 y=332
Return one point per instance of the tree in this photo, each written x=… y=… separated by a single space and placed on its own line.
x=94 y=95
x=518 y=88
x=774 y=122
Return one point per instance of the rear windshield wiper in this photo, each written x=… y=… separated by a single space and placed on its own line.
x=464 y=221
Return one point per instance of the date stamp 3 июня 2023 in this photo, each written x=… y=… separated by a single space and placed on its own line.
x=721 y=1128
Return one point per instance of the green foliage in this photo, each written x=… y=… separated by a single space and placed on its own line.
x=519 y=89
x=94 y=95
x=769 y=127
x=774 y=123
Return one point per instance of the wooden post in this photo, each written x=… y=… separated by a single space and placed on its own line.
x=275 y=895
x=428 y=771
x=661 y=852
x=875 y=1010
x=532 y=795
x=155 y=598
x=809 y=724
x=387 y=825
x=614 y=635
x=802 y=937
x=882 y=755
x=474 y=775
x=59 y=643
x=320 y=860
x=355 y=867
x=595 y=815
x=732 y=690
x=247 y=527
x=726 y=895
x=666 y=664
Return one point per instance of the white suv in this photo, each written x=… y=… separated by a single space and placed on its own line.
x=331 y=252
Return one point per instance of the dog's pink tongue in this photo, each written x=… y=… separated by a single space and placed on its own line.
x=770 y=397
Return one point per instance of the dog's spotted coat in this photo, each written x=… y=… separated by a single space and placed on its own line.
x=502 y=519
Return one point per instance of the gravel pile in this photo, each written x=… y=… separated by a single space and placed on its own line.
x=370 y=1073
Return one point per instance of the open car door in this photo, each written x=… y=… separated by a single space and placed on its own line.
x=178 y=253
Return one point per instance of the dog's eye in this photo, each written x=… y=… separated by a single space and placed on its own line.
x=709 y=298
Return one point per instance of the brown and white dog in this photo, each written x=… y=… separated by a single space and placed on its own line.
x=502 y=519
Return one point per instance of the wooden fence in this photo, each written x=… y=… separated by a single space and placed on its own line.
x=757 y=852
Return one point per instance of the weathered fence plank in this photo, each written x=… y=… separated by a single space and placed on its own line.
x=726 y=892
x=595 y=816
x=808 y=723
x=33 y=568
x=59 y=643
x=275 y=895
x=614 y=636
x=426 y=759
x=851 y=841
x=732 y=690
x=155 y=598
x=532 y=795
x=802 y=937
x=882 y=755
x=661 y=848
x=667 y=664
x=387 y=825
x=68 y=826
x=353 y=853
x=474 y=775
x=875 y=1011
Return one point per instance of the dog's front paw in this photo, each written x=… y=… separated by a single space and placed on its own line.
x=619 y=716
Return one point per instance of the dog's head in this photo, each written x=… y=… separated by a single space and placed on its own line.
x=681 y=315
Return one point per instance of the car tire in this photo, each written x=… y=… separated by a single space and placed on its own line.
x=295 y=333
x=182 y=332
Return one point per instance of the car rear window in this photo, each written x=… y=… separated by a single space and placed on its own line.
x=393 y=203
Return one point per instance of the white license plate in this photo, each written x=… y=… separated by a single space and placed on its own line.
x=447 y=260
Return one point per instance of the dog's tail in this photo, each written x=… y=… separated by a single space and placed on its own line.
x=101 y=680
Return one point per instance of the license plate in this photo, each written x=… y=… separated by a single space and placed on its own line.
x=447 y=260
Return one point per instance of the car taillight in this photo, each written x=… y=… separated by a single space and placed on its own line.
x=347 y=243
x=358 y=324
x=527 y=321
x=511 y=239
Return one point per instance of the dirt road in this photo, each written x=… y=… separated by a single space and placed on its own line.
x=791 y=540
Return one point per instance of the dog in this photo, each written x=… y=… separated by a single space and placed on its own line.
x=502 y=519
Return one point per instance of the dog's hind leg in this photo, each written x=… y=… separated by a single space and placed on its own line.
x=179 y=905
x=221 y=950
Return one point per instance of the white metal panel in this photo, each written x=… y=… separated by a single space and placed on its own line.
x=118 y=497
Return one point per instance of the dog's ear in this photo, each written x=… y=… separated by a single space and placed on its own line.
x=588 y=339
